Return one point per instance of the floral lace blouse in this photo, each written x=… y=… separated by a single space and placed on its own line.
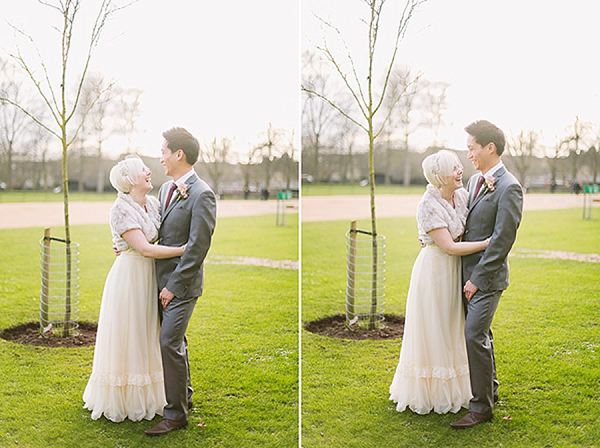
x=126 y=214
x=434 y=212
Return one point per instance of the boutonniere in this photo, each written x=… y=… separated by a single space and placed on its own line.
x=182 y=191
x=489 y=184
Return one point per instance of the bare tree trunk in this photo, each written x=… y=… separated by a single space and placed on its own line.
x=406 y=162
x=100 y=179
x=9 y=167
x=65 y=179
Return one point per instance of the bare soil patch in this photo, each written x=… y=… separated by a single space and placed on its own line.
x=335 y=327
x=29 y=334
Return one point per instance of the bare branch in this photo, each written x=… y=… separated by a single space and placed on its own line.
x=29 y=114
x=407 y=14
x=88 y=109
x=24 y=65
x=350 y=58
x=335 y=106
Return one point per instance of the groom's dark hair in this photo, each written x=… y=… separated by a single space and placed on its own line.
x=485 y=133
x=180 y=138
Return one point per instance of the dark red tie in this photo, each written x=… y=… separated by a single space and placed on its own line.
x=170 y=195
x=479 y=184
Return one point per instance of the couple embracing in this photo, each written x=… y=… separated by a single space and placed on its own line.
x=141 y=366
x=447 y=358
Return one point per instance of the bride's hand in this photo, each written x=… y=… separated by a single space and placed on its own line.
x=487 y=241
x=183 y=248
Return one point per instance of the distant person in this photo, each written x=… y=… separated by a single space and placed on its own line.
x=433 y=372
x=127 y=372
x=495 y=210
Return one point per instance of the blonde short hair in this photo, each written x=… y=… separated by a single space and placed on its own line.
x=438 y=166
x=123 y=175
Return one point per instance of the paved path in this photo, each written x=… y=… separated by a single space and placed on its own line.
x=314 y=208
x=50 y=214
x=326 y=208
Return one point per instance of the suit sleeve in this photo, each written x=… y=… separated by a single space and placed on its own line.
x=508 y=218
x=202 y=226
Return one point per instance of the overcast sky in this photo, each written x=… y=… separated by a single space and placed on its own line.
x=226 y=67
x=522 y=64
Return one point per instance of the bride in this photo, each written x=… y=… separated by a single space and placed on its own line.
x=127 y=375
x=433 y=372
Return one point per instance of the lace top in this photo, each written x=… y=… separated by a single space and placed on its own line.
x=434 y=212
x=126 y=214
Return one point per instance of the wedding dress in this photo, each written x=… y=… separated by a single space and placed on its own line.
x=433 y=372
x=127 y=375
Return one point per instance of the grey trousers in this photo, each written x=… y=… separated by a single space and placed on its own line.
x=174 y=351
x=480 y=350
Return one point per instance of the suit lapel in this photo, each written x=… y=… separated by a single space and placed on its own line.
x=497 y=175
x=190 y=182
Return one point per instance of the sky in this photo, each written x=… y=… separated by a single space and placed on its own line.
x=224 y=68
x=522 y=64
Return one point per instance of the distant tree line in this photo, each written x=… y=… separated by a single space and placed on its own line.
x=108 y=111
x=332 y=150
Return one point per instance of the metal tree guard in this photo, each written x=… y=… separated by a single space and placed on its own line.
x=364 y=296
x=59 y=295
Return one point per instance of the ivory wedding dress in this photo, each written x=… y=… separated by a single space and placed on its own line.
x=127 y=375
x=433 y=372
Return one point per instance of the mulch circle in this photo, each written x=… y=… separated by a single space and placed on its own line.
x=335 y=327
x=29 y=334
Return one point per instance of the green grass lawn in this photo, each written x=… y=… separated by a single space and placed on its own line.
x=547 y=339
x=49 y=196
x=243 y=340
x=331 y=189
x=322 y=189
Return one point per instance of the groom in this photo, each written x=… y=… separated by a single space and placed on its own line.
x=188 y=217
x=495 y=208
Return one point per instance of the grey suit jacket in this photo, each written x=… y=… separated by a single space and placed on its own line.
x=188 y=220
x=497 y=214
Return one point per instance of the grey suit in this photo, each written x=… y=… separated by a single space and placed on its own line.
x=188 y=220
x=495 y=214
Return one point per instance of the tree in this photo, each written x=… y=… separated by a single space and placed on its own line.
x=522 y=148
x=267 y=150
x=247 y=163
x=54 y=93
x=346 y=138
x=318 y=116
x=287 y=159
x=573 y=140
x=214 y=154
x=127 y=112
x=367 y=101
x=593 y=156
x=434 y=107
x=39 y=143
x=406 y=87
x=93 y=130
x=13 y=122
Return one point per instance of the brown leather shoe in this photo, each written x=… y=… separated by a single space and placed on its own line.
x=165 y=426
x=471 y=419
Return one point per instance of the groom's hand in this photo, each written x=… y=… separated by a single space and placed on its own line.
x=165 y=297
x=470 y=289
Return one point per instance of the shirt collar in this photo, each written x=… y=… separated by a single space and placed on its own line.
x=493 y=169
x=185 y=177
